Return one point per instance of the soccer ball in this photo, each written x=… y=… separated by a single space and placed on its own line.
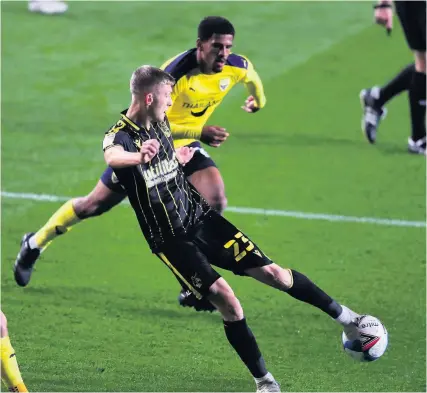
x=371 y=341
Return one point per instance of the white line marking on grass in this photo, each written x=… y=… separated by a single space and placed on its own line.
x=327 y=217
x=251 y=210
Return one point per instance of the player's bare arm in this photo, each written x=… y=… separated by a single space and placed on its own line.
x=117 y=157
x=213 y=135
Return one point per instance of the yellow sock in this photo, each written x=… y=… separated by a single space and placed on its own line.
x=10 y=374
x=61 y=222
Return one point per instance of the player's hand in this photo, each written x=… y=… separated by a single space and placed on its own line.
x=213 y=135
x=384 y=15
x=184 y=154
x=250 y=105
x=149 y=149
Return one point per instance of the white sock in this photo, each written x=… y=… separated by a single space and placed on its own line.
x=266 y=377
x=32 y=243
x=375 y=92
x=347 y=316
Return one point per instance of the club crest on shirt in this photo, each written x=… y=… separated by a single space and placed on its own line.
x=224 y=83
x=138 y=143
x=164 y=127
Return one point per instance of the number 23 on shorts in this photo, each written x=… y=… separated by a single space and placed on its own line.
x=241 y=246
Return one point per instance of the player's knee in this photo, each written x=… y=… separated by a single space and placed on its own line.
x=420 y=61
x=232 y=309
x=224 y=299
x=88 y=206
x=278 y=277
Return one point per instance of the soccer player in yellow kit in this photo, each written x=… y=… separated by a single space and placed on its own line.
x=204 y=75
x=10 y=374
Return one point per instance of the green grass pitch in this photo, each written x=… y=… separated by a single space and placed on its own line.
x=101 y=313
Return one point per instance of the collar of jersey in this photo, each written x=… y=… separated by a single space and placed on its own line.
x=129 y=121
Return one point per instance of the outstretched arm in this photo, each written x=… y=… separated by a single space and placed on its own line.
x=117 y=157
x=253 y=83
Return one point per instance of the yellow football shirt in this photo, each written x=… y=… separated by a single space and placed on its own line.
x=196 y=95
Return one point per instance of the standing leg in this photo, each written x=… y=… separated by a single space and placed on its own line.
x=102 y=198
x=240 y=336
x=10 y=374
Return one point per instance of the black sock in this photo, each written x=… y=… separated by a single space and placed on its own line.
x=399 y=83
x=306 y=291
x=243 y=341
x=417 y=102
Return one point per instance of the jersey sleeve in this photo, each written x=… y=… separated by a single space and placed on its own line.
x=115 y=136
x=254 y=85
x=177 y=89
x=170 y=64
x=178 y=67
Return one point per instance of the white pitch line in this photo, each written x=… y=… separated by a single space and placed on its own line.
x=251 y=210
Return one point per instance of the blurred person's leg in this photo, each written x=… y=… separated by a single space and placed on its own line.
x=412 y=16
x=374 y=99
x=48 y=7
x=10 y=374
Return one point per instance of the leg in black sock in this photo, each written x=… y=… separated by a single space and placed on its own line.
x=417 y=102
x=243 y=341
x=401 y=82
x=306 y=291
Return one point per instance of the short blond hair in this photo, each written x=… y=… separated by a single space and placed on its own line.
x=146 y=77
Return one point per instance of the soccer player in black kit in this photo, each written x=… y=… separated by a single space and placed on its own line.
x=412 y=78
x=185 y=232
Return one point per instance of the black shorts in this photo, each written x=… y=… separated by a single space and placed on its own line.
x=200 y=160
x=110 y=180
x=216 y=242
x=412 y=16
